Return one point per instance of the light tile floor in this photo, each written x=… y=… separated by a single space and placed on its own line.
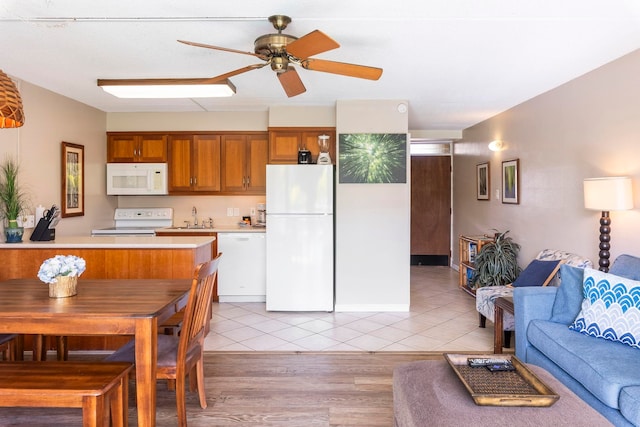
x=441 y=318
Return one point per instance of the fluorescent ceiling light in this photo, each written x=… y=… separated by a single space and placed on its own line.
x=167 y=88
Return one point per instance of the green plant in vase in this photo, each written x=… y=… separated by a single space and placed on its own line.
x=12 y=200
x=497 y=262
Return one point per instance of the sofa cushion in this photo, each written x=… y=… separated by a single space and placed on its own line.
x=537 y=273
x=569 y=297
x=610 y=309
x=626 y=266
x=602 y=367
x=630 y=404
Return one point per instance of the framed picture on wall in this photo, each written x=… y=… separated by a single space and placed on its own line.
x=372 y=158
x=482 y=181
x=72 y=179
x=510 y=181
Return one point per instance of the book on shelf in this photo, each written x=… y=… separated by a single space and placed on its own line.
x=473 y=251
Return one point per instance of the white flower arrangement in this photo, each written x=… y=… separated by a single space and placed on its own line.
x=61 y=265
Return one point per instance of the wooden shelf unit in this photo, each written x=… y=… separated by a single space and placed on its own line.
x=469 y=246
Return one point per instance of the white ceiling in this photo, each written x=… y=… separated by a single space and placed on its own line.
x=457 y=62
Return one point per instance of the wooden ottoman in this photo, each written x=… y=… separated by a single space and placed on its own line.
x=429 y=393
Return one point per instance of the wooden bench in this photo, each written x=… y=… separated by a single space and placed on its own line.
x=100 y=389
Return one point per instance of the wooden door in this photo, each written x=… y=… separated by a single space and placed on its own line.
x=234 y=153
x=430 y=210
x=180 y=159
x=152 y=149
x=206 y=162
x=122 y=148
x=258 y=147
x=283 y=146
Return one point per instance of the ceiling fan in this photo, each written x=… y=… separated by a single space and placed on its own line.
x=282 y=51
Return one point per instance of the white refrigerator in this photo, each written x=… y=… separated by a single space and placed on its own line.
x=300 y=255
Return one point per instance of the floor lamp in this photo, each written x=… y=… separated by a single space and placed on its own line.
x=607 y=194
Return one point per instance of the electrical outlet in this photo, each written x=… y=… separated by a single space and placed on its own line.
x=497 y=194
x=27 y=221
x=229 y=211
x=252 y=212
x=236 y=211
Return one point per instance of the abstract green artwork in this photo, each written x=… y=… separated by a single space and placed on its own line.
x=372 y=158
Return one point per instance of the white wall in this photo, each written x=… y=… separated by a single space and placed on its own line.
x=372 y=221
x=50 y=119
x=588 y=127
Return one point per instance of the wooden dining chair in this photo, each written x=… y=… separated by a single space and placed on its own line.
x=11 y=346
x=182 y=356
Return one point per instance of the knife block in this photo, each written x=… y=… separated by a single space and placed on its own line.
x=42 y=232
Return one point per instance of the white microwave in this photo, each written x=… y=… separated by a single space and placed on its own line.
x=137 y=179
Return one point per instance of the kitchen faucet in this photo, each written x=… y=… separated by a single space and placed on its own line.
x=194 y=213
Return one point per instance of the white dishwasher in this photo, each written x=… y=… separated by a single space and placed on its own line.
x=242 y=273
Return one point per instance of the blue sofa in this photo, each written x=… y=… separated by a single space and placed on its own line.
x=604 y=373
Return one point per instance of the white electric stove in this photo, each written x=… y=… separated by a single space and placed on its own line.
x=137 y=222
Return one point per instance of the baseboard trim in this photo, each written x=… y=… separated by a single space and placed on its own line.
x=371 y=307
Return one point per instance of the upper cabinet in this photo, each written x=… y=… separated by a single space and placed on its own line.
x=285 y=142
x=136 y=147
x=244 y=164
x=194 y=163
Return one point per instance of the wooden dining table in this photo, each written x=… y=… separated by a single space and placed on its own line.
x=101 y=307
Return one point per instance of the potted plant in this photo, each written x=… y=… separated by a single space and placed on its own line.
x=12 y=200
x=497 y=262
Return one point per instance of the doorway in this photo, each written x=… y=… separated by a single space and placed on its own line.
x=430 y=210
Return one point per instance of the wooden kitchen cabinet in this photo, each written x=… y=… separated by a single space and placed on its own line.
x=244 y=163
x=284 y=143
x=136 y=148
x=194 y=163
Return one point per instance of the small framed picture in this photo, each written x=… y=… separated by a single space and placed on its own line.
x=482 y=181
x=511 y=181
x=72 y=179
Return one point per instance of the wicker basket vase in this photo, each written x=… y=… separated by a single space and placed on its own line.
x=65 y=286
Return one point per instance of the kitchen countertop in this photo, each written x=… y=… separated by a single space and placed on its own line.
x=215 y=229
x=112 y=242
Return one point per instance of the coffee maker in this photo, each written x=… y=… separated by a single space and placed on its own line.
x=262 y=215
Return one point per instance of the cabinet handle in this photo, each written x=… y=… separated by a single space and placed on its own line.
x=195 y=180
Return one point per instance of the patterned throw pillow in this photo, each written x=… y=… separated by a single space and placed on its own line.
x=610 y=309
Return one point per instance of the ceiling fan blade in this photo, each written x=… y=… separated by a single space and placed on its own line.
x=311 y=44
x=291 y=83
x=351 y=70
x=234 y=73
x=208 y=46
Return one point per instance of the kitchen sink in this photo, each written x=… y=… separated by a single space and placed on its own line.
x=186 y=229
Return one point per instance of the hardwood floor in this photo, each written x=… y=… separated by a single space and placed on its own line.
x=270 y=389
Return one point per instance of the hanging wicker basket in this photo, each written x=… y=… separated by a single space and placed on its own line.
x=65 y=286
x=11 y=113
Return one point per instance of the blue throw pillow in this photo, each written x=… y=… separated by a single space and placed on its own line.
x=610 y=309
x=569 y=297
x=626 y=266
x=536 y=273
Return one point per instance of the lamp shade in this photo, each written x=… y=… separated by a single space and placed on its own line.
x=608 y=194
x=11 y=113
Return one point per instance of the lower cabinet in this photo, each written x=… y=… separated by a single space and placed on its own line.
x=242 y=274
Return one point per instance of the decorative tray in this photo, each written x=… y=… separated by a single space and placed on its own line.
x=520 y=387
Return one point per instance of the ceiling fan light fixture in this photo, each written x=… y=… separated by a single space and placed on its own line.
x=167 y=88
